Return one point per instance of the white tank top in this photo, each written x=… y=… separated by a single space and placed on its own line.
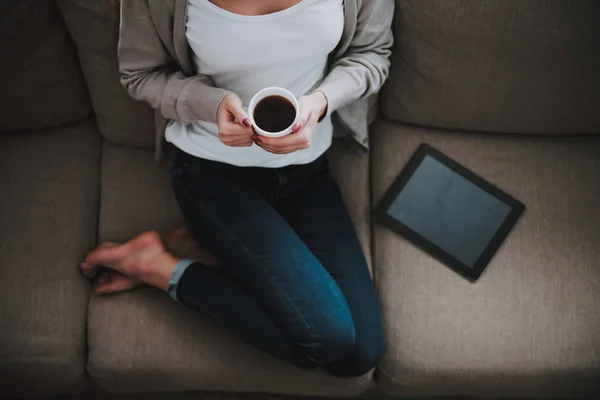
x=244 y=54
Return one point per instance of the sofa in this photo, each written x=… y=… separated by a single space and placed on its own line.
x=510 y=89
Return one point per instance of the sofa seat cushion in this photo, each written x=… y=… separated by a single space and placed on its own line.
x=94 y=27
x=48 y=211
x=41 y=83
x=144 y=341
x=531 y=325
x=499 y=66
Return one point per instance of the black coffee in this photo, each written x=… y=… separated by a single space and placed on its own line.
x=274 y=114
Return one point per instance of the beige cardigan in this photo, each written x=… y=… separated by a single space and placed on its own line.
x=156 y=67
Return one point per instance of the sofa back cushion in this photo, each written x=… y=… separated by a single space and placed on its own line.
x=94 y=26
x=41 y=83
x=517 y=66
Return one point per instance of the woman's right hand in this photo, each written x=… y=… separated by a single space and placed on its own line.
x=234 y=125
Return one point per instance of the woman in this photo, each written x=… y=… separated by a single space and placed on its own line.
x=294 y=281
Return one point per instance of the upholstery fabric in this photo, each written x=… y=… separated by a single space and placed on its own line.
x=530 y=326
x=48 y=210
x=94 y=26
x=41 y=83
x=144 y=341
x=351 y=172
x=508 y=66
x=136 y=194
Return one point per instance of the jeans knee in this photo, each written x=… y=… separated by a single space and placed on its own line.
x=364 y=357
x=333 y=341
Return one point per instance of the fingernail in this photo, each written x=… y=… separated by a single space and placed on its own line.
x=246 y=122
x=296 y=127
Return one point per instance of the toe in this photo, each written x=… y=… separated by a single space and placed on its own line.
x=104 y=277
x=114 y=286
x=88 y=269
x=114 y=282
x=90 y=266
x=105 y=255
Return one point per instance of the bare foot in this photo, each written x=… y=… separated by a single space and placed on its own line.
x=143 y=258
x=182 y=242
x=110 y=281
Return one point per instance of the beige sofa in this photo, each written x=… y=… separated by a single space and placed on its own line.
x=509 y=88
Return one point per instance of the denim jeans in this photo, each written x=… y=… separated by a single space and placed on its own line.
x=293 y=279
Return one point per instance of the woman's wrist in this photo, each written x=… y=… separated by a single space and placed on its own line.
x=321 y=103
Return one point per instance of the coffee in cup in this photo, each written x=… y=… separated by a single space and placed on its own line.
x=273 y=112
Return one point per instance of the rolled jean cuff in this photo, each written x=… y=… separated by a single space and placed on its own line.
x=178 y=272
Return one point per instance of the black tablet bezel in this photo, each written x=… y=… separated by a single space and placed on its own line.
x=471 y=273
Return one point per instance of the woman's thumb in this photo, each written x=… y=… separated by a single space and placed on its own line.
x=239 y=114
x=302 y=119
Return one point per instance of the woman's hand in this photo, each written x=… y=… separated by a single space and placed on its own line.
x=312 y=107
x=234 y=125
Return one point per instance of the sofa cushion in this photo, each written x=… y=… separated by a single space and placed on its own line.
x=41 y=83
x=48 y=213
x=144 y=341
x=136 y=194
x=531 y=325
x=500 y=66
x=94 y=26
x=351 y=172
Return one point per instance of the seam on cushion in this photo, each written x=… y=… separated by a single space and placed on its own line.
x=227 y=232
x=400 y=382
x=96 y=236
x=89 y=117
x=371 y=219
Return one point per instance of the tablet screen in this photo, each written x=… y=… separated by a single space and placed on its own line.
x=449 y=211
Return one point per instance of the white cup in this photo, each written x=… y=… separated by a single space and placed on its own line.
x=267 y=92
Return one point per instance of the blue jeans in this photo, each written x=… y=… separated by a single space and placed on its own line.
x=293 y=280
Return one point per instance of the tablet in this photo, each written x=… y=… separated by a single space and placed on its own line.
x=449 y=212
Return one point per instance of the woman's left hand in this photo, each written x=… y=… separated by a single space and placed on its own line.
x=312 y=107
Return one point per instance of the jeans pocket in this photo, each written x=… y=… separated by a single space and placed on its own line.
x=183 y=168
x=184 y=165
